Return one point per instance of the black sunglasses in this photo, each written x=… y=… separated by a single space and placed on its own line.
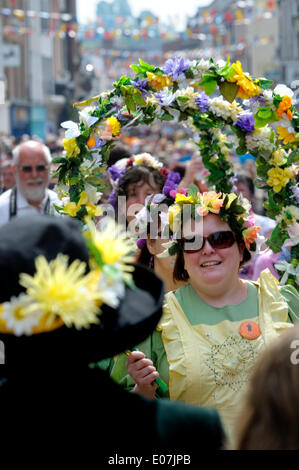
x=29 y=168
x=218 y=240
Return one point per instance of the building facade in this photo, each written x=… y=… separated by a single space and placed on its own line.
x=38 y=65
x=289 y=41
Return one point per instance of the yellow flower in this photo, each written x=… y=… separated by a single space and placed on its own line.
x=71 y=147
x=247 y=88
x=182 y=199
x=283 y=134
x=278 y=178
x=114 y=125
x=209 y=202
x=61 y=290
x=72 y=208
x=278 y=157
x=158 y=82
x=174 y=217
x=231 y=198
x=112 y=244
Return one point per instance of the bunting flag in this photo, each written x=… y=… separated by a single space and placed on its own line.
x=208 y=24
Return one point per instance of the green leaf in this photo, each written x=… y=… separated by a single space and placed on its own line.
x=59 y=160
x=264 y=113
x=173 y=249
x=130 y=103
x=95 y=253
x=138 y=99
x=193 y=191
x=265 y=84
x=210 y=87
x=183 y=99
x=228 y=90
x=166 y=117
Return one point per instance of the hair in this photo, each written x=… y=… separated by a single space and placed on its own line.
x=245 y=179
x=144 y=257
x=16 y=153
x=179 y=271
x=139 y=173
x=6 y=164
x=118 y=153
x=270 y=414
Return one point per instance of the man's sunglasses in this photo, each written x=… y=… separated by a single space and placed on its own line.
x=217 y=240
x=29 y=168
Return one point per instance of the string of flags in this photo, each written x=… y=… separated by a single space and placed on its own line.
x=208 y=22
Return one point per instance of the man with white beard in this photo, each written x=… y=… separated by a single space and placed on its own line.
x=31 y=165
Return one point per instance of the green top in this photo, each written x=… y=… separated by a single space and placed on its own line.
x=197 y=312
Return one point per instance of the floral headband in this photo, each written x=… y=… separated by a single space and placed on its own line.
x=231 y=208
x=118 y=170
x=168 y=195
x=61 y=294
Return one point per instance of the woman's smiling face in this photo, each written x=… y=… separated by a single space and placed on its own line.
x=212 y=265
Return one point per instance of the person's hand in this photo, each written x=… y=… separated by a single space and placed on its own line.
x=143 y=373
x=194 y=167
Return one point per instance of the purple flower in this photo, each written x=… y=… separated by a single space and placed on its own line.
x=174 y=176
x=141 y=243
x=169 y=186
x=295 y=190
x=164 y=98
x=202 y=102
x=257 y=101
x=233 y=180
x=116 y=173
x=121 y=117
x=141 y=86
x=246 y=122
x=99 y=143
x=112 y=199
x=175 y=67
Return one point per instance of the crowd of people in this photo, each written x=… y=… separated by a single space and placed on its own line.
x=199 y=354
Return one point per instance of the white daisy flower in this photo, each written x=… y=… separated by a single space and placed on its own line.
x=17 y=316
x=260 y=139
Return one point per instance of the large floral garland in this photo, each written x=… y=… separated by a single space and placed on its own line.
x=245 y=113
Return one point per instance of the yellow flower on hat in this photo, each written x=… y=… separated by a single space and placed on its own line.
x=71 y=147
x=112 y=244
x=61 y=290
x=158 y=82
x=278 y=178
x=247 y=88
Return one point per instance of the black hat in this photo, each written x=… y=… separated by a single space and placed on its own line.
x=21 y=242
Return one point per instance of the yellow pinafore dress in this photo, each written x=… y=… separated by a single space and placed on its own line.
x=210 y=365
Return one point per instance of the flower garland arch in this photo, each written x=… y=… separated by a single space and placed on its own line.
x=226 y=107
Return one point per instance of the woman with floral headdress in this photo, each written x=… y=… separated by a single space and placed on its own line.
x=135 y=178
x=142 y=179
x=213 y=328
